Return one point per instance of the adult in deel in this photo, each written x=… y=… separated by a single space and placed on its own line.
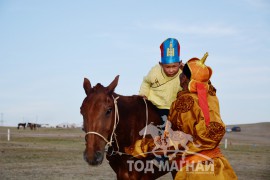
x=196 y=112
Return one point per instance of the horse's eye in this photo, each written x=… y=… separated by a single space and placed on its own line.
x=109 y=110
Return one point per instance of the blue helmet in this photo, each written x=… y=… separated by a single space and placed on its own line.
x=170 y=51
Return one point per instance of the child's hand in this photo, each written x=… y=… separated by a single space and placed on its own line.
x=143 y=96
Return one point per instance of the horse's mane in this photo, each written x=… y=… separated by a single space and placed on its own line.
x=133 y=99
x=98 y=87
x=129 y=99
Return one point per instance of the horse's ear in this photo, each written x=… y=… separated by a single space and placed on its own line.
x=86 y=86
x=111 y=87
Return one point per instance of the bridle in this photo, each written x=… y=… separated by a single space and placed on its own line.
x=116 y=121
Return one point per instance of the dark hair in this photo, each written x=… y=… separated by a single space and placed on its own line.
x=186 y=71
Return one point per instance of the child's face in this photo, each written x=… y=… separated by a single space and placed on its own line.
x=170 y=69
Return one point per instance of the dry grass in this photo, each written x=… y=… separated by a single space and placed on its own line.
x=57 y=154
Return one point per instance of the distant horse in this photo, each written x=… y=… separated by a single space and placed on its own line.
x=111 y=123
x=32 y=126
x=21 y=125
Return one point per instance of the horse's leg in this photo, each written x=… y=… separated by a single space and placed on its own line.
x=113 y=162
x=117 y=163
x=155 y=174
x=123 y=170
x=148 y=172
x=122 y=174
x=173 y=173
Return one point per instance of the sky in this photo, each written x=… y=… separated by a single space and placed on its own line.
x=48 y=47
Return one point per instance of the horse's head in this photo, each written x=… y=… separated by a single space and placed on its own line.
x=98 y=112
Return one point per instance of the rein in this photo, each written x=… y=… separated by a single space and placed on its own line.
x=116 y=121
x=146 y=114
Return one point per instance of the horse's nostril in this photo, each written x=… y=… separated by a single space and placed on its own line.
x=99 y=156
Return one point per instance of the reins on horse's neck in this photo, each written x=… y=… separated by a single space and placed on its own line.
x=146 y=113
x=116 y=121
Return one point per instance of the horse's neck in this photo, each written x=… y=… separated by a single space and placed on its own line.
x=133 y=118
x=130 y=108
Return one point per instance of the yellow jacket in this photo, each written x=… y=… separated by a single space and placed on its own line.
x=160 y=89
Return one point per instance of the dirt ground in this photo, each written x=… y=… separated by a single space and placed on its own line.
x=49 y=153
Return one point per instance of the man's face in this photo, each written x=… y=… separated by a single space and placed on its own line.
x=183 y=79
x=170 y=69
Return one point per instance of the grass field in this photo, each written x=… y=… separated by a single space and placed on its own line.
x=49 y=153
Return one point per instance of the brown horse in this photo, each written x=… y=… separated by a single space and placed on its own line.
x=111 y=123
x=32 y=126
